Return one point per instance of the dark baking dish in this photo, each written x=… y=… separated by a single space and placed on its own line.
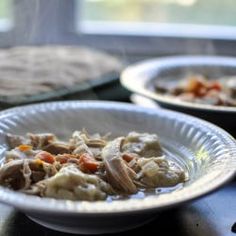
x=106 y=88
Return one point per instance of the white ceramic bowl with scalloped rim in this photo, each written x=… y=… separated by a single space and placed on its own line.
x=205 y=151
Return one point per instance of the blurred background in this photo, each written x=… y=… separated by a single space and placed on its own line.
x=128 y=31
x=133 y=28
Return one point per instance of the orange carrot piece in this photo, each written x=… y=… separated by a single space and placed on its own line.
x=194 y=84
x=46 y=157
x=24 y=148
x=215 y=85
x=64 y=158
x=87 y=162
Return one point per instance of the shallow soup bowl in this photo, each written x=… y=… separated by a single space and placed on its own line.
x=145 y=77
x=204 y=151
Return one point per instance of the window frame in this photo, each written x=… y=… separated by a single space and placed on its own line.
x=56 y=24
x=156 y=44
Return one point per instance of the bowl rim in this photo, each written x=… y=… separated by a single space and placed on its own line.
x=131 y=78
x=46 y=205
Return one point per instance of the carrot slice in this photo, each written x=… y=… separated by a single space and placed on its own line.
x=24 y=148
x=61 y=159
x=215 y=85
x=46 y=157
x=64 y=158
x=87 y=162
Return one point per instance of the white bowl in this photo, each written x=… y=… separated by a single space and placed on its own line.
x=205 y=151
x=141 y=78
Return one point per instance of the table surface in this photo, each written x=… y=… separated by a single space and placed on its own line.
x=212 y=215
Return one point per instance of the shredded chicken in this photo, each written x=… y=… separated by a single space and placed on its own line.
x=118 y=173
x=19 y=174
x=15 y=140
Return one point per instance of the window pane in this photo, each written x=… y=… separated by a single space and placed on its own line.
x=5 y=14
x=161 y=11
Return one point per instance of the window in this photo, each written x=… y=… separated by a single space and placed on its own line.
x=187 y=18
x=127 y=27
x=6 y=20
x=161 y=11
